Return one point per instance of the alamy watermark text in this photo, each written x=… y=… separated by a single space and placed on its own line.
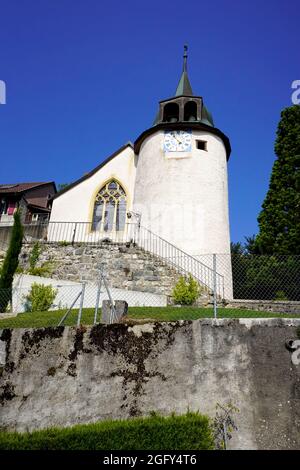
x=296 y=93
x=2 y=92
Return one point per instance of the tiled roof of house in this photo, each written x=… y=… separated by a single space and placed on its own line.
x=20 y=187
x=41 y=201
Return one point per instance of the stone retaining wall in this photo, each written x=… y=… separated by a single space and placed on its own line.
x=64 y=376
x=276 y=306
x=127 y=267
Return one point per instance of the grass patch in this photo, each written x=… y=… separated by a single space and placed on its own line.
x=193 y=313
x=191 y=431
x=51 y=318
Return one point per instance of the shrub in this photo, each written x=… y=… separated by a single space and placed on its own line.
x=34 y=256
x=45 y=269
x=40 y=297
x=187 y=432
x=280 y=295
x=186 y=291
x=63 y=243
x=20 y=270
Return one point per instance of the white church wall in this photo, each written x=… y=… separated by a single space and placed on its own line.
x=77 y=204
x=183 y=197
x=67 y=291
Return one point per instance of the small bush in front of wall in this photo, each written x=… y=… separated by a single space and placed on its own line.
x=186 y=291
x=224 y=424
x=280 y=295
x=40 y=297
x=45 y=269
x=63 y=243
x=34 y=256
x=191 y=431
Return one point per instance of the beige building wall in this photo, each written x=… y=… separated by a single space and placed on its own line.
x=77 y=204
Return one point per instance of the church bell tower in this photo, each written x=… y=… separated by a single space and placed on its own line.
x=181 y=188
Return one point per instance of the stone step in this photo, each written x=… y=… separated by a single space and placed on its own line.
x=128 y=267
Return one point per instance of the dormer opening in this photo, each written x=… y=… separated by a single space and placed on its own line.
x=190 y=111
x=171 y=112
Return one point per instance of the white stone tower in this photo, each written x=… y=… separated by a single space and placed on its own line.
x=181 y=188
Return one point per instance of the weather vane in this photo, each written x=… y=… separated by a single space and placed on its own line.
x=185 y=55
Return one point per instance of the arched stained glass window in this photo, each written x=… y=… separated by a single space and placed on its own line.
x=110 y=208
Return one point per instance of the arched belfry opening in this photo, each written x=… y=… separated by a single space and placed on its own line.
x=190 y=111
x=171 y=112
x=110 y=208
x=184 y=106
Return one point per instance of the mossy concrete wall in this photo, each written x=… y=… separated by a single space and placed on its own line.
x=64 y=376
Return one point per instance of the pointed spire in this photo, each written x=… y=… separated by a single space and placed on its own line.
x=184 y=86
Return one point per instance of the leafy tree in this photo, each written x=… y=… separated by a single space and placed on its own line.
x=279 y=220
x=250 y=245
x=237 y=248
x=11 y=262
x=62 y=186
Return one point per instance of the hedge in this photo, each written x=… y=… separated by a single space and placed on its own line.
x=191 y=431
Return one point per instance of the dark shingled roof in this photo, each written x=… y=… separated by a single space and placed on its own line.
x=20 y=187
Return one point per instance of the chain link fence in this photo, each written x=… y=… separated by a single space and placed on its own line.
x=18 y=300
x=265 y=277
x=258 y=277
x=233 y=276
x=249 y=277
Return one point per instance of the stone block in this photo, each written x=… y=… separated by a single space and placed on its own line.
x=78 y=251
x=2 y=353
x=121 y=310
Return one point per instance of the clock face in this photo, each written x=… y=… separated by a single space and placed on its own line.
x=178 y=141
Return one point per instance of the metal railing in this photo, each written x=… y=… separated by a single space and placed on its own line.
x=66 y=233
x=179 y=259
x=253 y=277
x=70 y=233
x=75 y=232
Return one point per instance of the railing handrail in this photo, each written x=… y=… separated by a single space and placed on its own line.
x=139 y=234
x=184 y=255
x=178 y=249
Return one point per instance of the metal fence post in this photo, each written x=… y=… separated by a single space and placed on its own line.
x=81 y=304
x=225 y=435
x=97 y=299
x=215 y=284
x=69 y=309
x=74 y=233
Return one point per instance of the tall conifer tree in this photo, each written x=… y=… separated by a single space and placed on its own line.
x=11 y=262
x=279 y=220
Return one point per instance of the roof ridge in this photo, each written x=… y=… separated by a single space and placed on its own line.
x=92 y=172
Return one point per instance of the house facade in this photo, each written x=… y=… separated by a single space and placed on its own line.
x=33 y=200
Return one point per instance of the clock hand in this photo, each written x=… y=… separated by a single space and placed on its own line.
x=177 y=139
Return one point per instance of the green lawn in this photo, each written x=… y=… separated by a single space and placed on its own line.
x=51 y=318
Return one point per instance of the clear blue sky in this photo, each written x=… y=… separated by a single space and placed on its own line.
x=84 y=77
